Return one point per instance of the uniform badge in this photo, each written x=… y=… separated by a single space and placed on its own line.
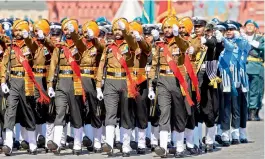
x=74 y=51
x=175 y=51
x=25 y=51
x=46 y=52
x=93 y=51
x=125 y=49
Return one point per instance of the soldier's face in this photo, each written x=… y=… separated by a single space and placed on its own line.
x=168 y=31
x=117 y=34
x=182 y=31
x=199 y=30
x=55 y=38
x=67 y=33
x=230 y=33
x=250 y=28
x=18 y=34
x=149 y=38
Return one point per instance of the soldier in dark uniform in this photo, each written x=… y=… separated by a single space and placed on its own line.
x=208 y=79
x=21 y=84
x=171 y=86
x=65 y=57
x=43 y=49
x=119 y=85
x=91 y=50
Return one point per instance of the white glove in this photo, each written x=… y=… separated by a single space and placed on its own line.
x=51 y=92
x=90 y=34
x=6 y=27
x=175 y=30
x=5 y=88
x=121 y=25
x=137 y=36
x=155 y=34
x=25 y=34
x=99 y=94
x=203 y=40
x=40 y=34
x=190 y=50
x=254 y=43
x=70 y=27
x=151 y=94
x=244 y=35
x=219 y=36
x=236 y=34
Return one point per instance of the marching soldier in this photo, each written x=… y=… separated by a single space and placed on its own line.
x=171 y=86
x=91 y=50
x=17 y=62
x=42 y=47
x=150 y=33
x=119 y=84
x=207 y=76
x=255 y=70
x=139 y=103
x=186 y=27
x=65 y=56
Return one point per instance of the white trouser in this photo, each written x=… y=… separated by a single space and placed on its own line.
x=9 y=138
x=180 y=141
x=58 y=133
x=97 y=137
x=243 y=133
x=110 y=130
x=141 y=138
x=154 y=135
x=235 y=133
x=49 y=132
x=126 y=139
x=226 y=135
x=163 y=139
x=118 y=134
x=32 y=140
x=189 y=137
x=78 y=138
x=103 y=136
x=210 y=135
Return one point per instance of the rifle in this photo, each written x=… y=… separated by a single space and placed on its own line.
x=154 y=102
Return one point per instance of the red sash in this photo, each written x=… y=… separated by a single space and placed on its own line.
x=176 y=71
x=43 y=98
x=132 y=85
x=192 y=75
x=75 y=67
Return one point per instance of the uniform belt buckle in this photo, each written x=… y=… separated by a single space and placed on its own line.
x=117 y=74
x=19 y=73
x=68 y=72
x=135 y=72
x=39 y=70
x=169 y=72
x=87 y=71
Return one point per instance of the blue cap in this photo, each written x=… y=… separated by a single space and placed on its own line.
x=221 y=26
x=215 y=20
x=232 y=24
x=251 y=21
x=101 y=21
x=138 y=19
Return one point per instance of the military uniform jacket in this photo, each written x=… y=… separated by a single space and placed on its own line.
x=127 y=48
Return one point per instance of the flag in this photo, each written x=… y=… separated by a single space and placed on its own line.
x=165 y=9
x=148 y=16
x=129 y=9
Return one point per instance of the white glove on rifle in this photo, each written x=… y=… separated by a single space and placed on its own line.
x=203 y=40
x=99 y=94
x=90 y=34
x=70 y=27
x=25 y=34
x=51 y=92
x=6 y=26
x=121 y=25
x=5 y=88
x=175 y=30
x=155 y=34
x=151 y=94
x=40 y=34
x=137 y=36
